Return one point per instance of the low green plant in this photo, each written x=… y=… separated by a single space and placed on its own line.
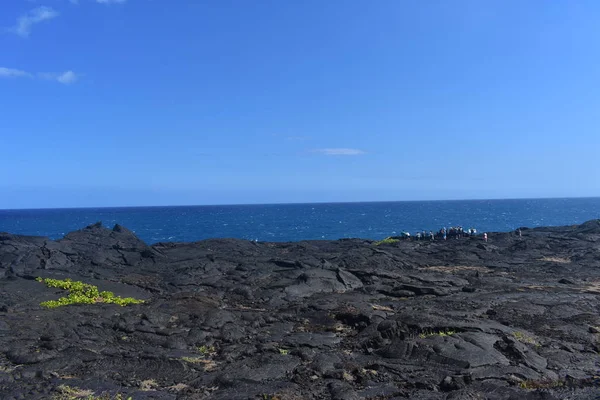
x=192 y=360
x=429 y=333
x=66 y=392
x=523 y=338
x=284 y=352
x=387 y=240
x=270 y=397
x=208 y=363
x=82 y=293
x=206 y=350
x=541 y=384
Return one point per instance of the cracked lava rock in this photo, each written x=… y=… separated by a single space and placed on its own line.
x=513 y=318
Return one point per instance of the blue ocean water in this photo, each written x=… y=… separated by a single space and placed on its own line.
x=292 y=222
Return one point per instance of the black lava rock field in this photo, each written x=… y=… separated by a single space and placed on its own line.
x=511 y=318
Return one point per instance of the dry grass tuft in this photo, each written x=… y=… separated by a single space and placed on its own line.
x=348 y=377
x=592 y=287
x=72 y=392
x=148 y=385
x=209 y=365
x=541 y=384
x=456 y=268
x=178 y=387
x=378 y=307
x=559 y=260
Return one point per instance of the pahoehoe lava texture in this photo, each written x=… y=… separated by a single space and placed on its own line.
x=513 y=318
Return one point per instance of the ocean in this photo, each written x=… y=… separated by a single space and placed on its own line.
x=293 y=222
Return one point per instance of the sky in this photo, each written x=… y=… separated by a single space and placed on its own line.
x=156 y=102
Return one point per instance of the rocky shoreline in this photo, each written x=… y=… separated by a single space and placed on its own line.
x=513 y=318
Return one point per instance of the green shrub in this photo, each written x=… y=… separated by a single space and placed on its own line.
x=428 y=333
x=388 y=240
x=74 y=393
x=82 y=293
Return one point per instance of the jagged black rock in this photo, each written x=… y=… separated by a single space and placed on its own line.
x=513 y=318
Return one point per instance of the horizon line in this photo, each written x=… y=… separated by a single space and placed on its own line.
x=299 y=203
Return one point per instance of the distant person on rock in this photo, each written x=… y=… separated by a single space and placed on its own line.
x=431 y=237
x=519 y=232
x=485 y=237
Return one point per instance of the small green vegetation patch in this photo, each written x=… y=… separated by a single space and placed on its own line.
x=429 y=333
x=207 y=350
x=542 y=384
x=284 y=352
x=265 y=396
x=388 y=240
x=523 y=338
x=193 y=360
x=82 y=293
x=74 y=393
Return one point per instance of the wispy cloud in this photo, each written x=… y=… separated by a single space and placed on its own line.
x=35 y=16
x=110 y=1
x=66 y=78
x=339 y=152
x=13 y=73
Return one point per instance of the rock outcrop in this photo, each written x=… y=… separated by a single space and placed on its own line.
x=513 y=318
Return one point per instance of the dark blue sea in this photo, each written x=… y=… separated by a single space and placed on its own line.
x=292 y=222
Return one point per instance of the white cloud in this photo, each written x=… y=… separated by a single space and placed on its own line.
x=340 y=152
x=35 y=16
x=67 y=77
x=13 y=73
x=110 y=1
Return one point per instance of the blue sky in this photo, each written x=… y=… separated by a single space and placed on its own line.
x=156 y=102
